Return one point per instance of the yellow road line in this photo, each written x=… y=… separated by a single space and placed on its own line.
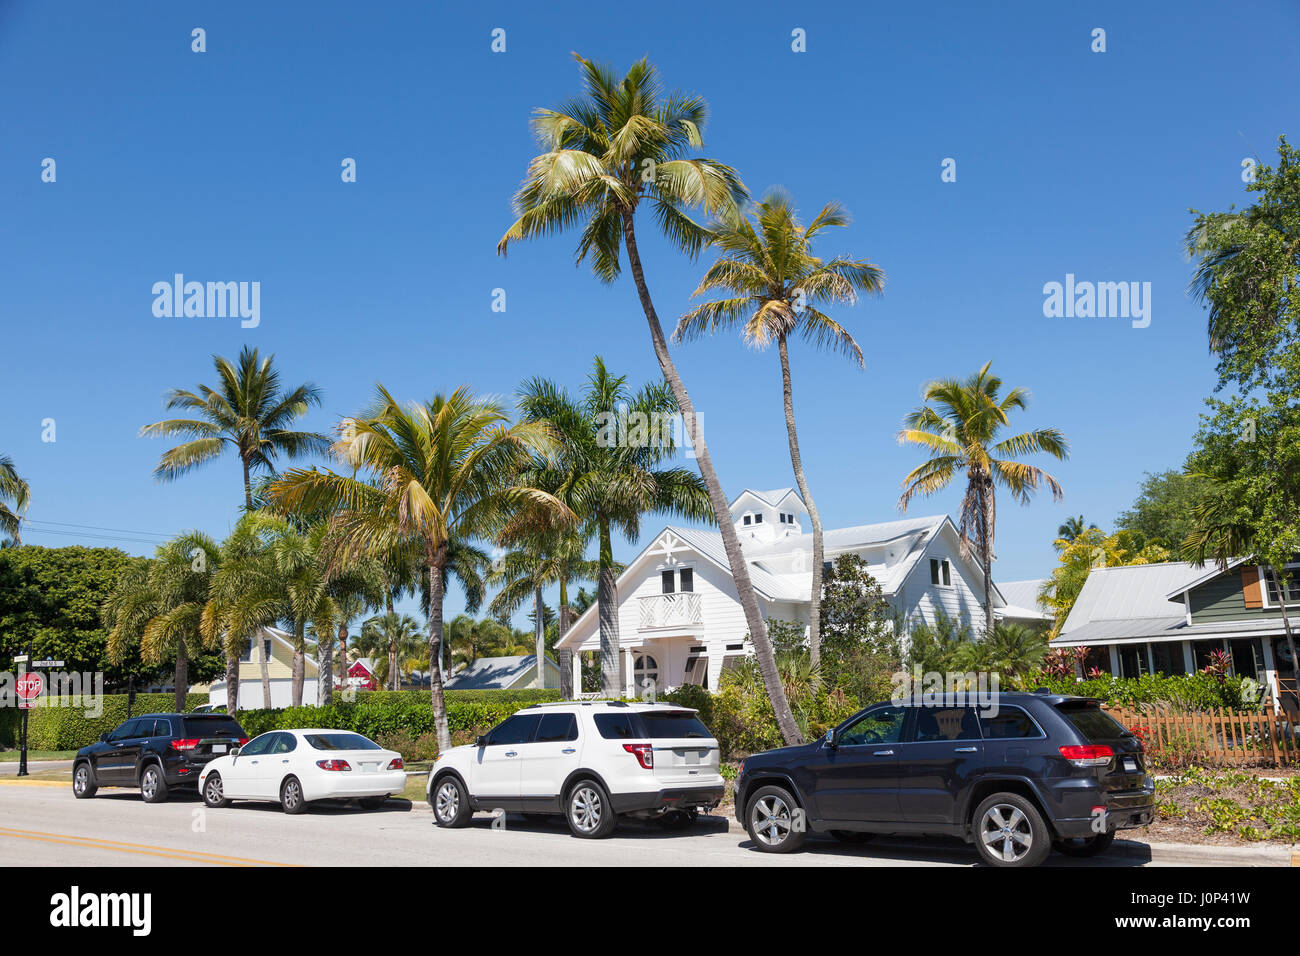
x=36 y=783
x=143 y=849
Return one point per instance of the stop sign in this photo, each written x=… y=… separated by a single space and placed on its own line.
x=29 y=687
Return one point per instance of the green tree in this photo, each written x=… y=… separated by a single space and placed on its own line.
x=471 y=639
x=776 y=284
x=390 y=638
x=15 y=495
x=248 y=411
x=1092 y=548
x=440 y=471
x=959 y=425
x=622 y=146
x=610 y=471
x=1072 y=528
x=1162 y=511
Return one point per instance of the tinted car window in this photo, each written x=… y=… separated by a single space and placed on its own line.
x=341 y=741
x=884 y=725
x=617 y=726
x=212 y=727
x=669 y=724
x=1009 y=723
x=128 y=730
x=1094 y=723
x=557 y=727
x=946 y=723
x=517 y=730
x=162 y=727
x=258 y=745
x=284 y=744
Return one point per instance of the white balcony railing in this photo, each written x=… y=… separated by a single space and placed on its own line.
x=670 y=610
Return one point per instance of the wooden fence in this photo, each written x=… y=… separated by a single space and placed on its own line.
x=1215 y=739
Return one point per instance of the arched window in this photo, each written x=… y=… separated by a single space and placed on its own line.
x=646 y=668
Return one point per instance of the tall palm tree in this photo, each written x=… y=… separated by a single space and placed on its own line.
x=13 y=492
x=441 y=471
x=390 y=638
x=776 y=284
x=469 y=640
x=959 y=425
x=248 y=411
x=159 y=603
x=1070 y=531
x=621 y=145
x=611 y=479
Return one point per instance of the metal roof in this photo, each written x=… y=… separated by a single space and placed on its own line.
x=1131 y=592
x=492 y=673
x=1022 y=598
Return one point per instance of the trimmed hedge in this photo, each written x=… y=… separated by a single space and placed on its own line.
x=1193 y=692
x=68 y=728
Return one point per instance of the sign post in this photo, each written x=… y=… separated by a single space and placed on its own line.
x=29 y=689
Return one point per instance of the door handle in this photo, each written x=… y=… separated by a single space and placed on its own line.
x=568 y=750
x=511 y=753
x=884 y=753
x=965 y=750
x=286 y=760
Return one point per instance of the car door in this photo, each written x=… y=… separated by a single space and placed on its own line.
x=942 y=755
x=239 y=778
x=857 y=779
x=544 y=763
x=495 y=776
x=117 y=765
x=275 y=766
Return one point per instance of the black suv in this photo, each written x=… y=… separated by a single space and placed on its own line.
x=156 y=752
x=1016 y=775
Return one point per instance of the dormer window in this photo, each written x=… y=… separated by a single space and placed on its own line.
x=758 y=518
x=782 y=517
x=748 y=519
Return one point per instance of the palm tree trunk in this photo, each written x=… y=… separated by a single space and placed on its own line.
x=436 y=561
x=248 y=486
x=986 y=555
x=394 y=678
x=565 y=658
x=819 y=551
x=611 y=684
x=182 y=677
x=539 y=631
x=298 y=674
x=721 y=511
x=232 y=682
x=265 y=671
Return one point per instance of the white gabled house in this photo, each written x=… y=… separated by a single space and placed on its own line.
x=679 y=617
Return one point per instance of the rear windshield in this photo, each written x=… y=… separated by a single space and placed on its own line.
x=670 y=724
x=1093 y=722
x=341 y=742
x=219 y=726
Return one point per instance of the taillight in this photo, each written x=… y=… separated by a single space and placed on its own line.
x=396 y=764
x=333 y=765
x=644 y=754
x=187 y=743
x=242 y=741
x=1089 y=755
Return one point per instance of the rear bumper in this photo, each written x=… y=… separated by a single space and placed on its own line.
x=670 y=799
x=1124 y=810
x=356 y=785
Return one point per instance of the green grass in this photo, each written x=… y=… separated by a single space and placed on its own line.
x=415 y=789
x=11 y=756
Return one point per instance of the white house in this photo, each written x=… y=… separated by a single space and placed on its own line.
x=276 y=648
x=679 y=617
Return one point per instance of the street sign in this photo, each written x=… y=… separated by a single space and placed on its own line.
x=48 y=663
x=20 y=658
x=29 y=688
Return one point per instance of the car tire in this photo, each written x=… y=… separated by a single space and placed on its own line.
x=372 y=803
x=1086 y=846
x=214 y=792
x=1010 y=832
x=83 y=781
x=852 y=836
x=153 y=786
x=775 y=821
x=588 y=811
x=291 y=798
x=450 y=803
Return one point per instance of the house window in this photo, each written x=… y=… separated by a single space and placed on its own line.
x=940 y=573
x=646 y=672
x=1133 y=660
x=749 y=519
x=697 y=672
x=1167 y=657
x=687 y=580
x=1272 y=587
x=667 y=578
x=758 y=519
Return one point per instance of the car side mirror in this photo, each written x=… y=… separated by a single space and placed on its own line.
x=480 y=740
x=830 y=738
x=234 y=751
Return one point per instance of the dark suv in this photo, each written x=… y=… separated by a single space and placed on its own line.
x=156 y=752
x=1015 y=775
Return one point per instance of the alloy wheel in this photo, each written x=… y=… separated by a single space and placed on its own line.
x=772 y=820
x=149 y=785
x=81 y=779
x=1006 y=832
x=447 y=802
x=292 y=794
x=585 y=807
x=214 y=790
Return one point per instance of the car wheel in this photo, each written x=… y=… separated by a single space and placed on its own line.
x=450 y=803
x=291 y=798
x=852 y=836
x=775 y=821
x=1009 y=831
x=372 y=803
x=152 y=785
x=214 y=792
x=589 y=811
x=1086 y=846
x=83 y=781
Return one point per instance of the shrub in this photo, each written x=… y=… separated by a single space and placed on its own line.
x=697 y=698
x=1199 y=692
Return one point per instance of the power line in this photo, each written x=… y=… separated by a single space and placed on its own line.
x=92 y=527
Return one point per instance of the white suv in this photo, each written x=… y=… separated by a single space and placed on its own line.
x=592 y=761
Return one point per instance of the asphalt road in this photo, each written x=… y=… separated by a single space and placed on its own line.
x=41 y=823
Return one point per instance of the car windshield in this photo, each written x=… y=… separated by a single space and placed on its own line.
x=341 y=742
x=662 y=725
x=213 y=727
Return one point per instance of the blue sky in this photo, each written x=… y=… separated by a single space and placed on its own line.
x=225 y=165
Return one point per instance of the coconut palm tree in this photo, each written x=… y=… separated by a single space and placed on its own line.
x=959 y=425
x=390 y=638
x=1071 y=530
x=159 y=603
x=440 y=471
x=622 y=146
x=610 y=471
x=776 y=285
x=469 y=640
x=248 y=411
x=14 y=498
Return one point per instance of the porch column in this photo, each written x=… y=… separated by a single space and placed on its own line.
x=1114 y=660
x=577 y=672
x=1270 y=673
x=1189 y=659
x=629 y=673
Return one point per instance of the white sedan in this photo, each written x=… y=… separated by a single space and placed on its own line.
x=295 y=767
